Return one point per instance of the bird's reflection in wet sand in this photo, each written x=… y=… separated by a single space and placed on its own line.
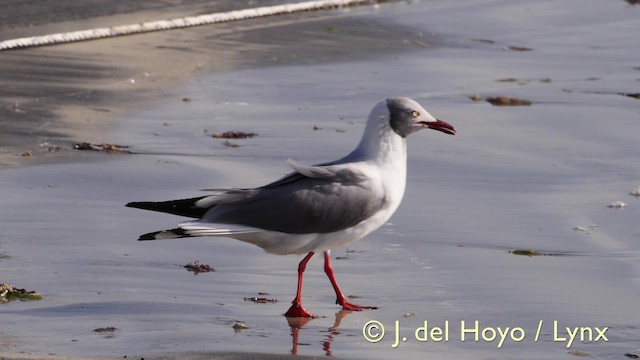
x=297 y=323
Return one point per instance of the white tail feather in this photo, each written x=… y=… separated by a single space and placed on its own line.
x=197 y=228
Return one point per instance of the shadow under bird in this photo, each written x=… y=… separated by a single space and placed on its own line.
x=314 y=208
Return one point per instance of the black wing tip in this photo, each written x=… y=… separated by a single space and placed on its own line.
x=145 y=205
x=182 y=207
x=164 y=234
x=149 y=236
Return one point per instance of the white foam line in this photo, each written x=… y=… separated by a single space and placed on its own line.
x=183 y=22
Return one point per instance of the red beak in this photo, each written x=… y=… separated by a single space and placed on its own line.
x=439 y=125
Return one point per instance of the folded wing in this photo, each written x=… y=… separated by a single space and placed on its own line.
x=313 y=199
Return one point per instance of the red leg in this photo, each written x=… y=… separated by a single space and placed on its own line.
x=340 y=299
x=296 y=310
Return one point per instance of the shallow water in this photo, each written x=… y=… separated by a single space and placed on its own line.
x=513 y=177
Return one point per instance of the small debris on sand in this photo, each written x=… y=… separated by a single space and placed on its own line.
x=617 y=205
x=518 y=48
x=108 y=148
x=578 y=353
x=106 y=329
x=509 y=80
x=9 y=293
x=233 y=135
x=261 y=300
x=198 y=268
x=526 y=252
x=486 y=41
x=238 y=326
x=186 y=99
x=585 y=229
x=26 y=154
x=507 y=101
x=523 y=81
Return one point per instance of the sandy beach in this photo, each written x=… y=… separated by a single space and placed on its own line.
x=535 y=177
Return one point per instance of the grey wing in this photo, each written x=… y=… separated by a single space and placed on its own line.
x=301 y=205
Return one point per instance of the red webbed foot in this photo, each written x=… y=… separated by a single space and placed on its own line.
x=296 y=310
x=353 y=307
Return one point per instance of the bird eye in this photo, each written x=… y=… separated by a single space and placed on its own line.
x=415 y=113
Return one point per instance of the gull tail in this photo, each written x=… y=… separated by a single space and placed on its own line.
x=196 y=228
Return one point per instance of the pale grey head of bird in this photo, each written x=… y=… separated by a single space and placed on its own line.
x=406 y=116
x=390 y=122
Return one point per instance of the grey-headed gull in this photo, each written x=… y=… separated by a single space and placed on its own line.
x=315 y=208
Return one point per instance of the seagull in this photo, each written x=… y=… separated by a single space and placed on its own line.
x=314 y=208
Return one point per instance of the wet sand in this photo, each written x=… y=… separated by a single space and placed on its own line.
x=514 y=177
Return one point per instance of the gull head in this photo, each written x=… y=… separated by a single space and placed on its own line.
x=390 y=122
x=405 y=116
